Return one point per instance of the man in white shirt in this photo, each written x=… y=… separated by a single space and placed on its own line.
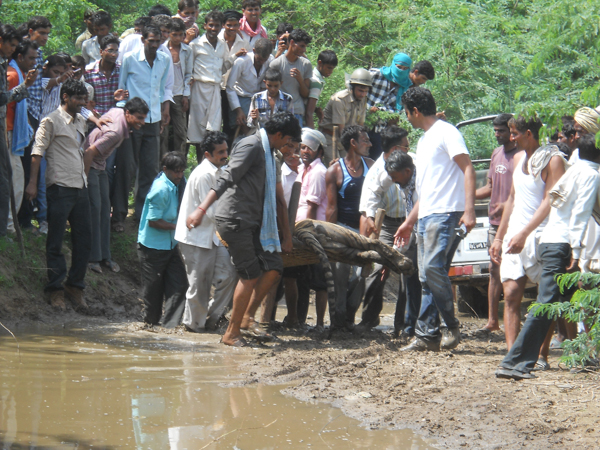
x=536 y=170
x=210 y=63
x=207 y=262
x=374 y=196
x=90 y=49
x=445 y=184
x=245 y=80
x=572 y=201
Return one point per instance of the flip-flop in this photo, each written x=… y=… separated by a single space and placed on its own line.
x=113 y=266
x=95 y=267
x=541 y=364
x=256 y=332
x=555 y=344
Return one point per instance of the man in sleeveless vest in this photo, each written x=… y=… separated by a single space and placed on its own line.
x=445 y=184
x=525 y=215
x=344 y=181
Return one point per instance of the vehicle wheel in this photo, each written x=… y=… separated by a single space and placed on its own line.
x=472 y=301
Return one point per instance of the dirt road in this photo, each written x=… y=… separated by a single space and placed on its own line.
x=452 y=396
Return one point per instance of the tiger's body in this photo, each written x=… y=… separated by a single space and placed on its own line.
x=334 y=242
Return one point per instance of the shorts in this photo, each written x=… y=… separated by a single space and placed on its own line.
x=247 y=254
x=526 y=263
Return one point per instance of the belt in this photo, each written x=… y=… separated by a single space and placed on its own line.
x=395 y=219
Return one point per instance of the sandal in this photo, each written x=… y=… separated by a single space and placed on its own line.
x=541 y=364
x=118 y=227
x=113 y=266
x=95 y=267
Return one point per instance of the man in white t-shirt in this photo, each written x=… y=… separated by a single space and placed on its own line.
x=445 y=185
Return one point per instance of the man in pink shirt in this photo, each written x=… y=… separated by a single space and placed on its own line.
x=498 y=187
x=100 y=144
x=312 y=205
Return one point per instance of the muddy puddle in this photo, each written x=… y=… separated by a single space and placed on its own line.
x=106 y=387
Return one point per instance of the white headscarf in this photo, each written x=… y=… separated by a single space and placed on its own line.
x=313 y=138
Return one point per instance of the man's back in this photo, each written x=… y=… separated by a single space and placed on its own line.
x=241 y=187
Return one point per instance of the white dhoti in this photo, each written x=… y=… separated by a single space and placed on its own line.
x=205 y=110
x=206 y=268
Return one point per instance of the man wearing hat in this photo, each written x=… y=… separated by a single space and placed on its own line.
x=312 y=205
x=586 y=121
x=346 y=107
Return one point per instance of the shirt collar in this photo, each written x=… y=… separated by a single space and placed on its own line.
x=168 y=182
x=285 y=169
x=66 y=116
x=204 y=40
x=591 y=164
x=315 y=162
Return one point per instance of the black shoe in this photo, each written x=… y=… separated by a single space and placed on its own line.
x=419 y=345
x=502 y=372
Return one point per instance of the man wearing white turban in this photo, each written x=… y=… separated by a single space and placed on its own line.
x=586 y=121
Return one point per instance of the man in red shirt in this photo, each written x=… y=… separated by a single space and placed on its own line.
x=498 y=187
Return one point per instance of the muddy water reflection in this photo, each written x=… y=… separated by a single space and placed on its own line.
x=74 y=388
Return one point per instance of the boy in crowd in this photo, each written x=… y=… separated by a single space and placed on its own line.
x=525 y=214
x=282 y=34
x=296 y=71
x=210 y=62
x=39 y=30
x=78 y=64
x=326 y=64
x=207 y=262
x=9 y=40
x=100 y=144
x=389 y=84
x=183 y=62
x=344 y=186
x=143 y=74
x=163 y=272
x=572 y=200
x=345 y=108
x=245 y=80
x=236 y=47
x=102 y=23
x=379 y=191
x=89 y=29
x=251 y=206
x=19 y=132
x=250 y=26
x=445 y=184
x=187 y=10
x=499 y=183
x=60 y=139
x=264 y=105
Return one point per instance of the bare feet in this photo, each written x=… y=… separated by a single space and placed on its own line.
x=233 y=341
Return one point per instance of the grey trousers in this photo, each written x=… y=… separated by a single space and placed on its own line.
x=179 y=125
x=206 y=268
x=98 y=192
x=137 y=156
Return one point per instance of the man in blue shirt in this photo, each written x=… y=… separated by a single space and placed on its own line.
x=163 y=272
x=143 y=74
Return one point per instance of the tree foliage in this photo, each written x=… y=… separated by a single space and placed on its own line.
x=583 y=307
x=491 y=56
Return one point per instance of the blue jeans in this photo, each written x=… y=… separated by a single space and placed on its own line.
x=300 y=118
x=524 y=353
x=411 y=285
x=437 y=242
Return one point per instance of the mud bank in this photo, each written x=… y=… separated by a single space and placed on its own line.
x=452 y=396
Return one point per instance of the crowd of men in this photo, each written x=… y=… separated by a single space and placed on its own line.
x=80 y=128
